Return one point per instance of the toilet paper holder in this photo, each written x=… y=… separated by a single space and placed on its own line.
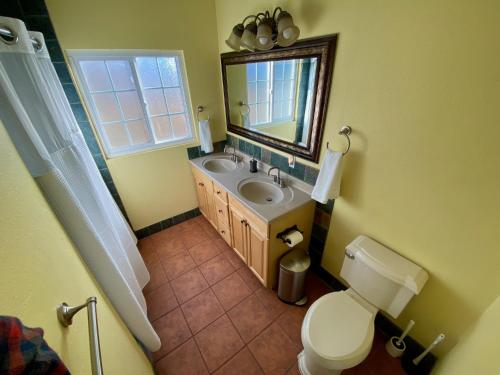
x=282 y=235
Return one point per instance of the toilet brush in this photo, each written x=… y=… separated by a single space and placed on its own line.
x=396 y=346
x=438 y=339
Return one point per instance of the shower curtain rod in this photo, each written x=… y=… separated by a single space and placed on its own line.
x=5 y=31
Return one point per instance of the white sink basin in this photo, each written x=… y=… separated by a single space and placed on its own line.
x=220 y=165
x=263 y=191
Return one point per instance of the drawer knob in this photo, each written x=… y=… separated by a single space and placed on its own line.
x=220 y=211
x=201 y=184
x=223 y=231
x=218 y=191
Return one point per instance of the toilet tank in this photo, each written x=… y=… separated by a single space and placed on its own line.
x=381 y=276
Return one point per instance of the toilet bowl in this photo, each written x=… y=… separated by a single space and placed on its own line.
x=337 y=333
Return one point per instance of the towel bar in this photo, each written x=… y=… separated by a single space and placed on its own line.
x=345 y=131
x=65 y=315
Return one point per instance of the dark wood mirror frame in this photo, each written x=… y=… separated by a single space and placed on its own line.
x=321 y=47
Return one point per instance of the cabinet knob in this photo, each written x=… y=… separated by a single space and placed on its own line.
x=201 y=184
x=218 y=191
x=220 y=211
x=223 y=231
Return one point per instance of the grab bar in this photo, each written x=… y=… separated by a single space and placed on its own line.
x=65 y=315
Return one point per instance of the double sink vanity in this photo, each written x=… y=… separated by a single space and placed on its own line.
x=277 y=98
x=249 y=210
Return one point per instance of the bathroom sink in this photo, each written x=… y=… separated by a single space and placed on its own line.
x=263 y=191
x=220 y=165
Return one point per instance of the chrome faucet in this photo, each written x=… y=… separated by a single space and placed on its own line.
x=276 y=178
x=234 y=157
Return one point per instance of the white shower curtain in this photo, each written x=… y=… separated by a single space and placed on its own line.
x=39 y=120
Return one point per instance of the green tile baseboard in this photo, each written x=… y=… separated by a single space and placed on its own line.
x=167 y=223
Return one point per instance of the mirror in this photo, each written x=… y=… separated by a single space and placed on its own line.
x=279 y=97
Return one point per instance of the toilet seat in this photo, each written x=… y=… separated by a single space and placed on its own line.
x=338 y=331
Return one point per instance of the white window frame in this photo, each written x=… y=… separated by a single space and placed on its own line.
x=270 y=84
x=75 y=56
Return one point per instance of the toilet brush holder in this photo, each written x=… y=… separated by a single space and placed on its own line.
x=394 y=347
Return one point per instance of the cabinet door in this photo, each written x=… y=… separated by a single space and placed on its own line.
x=238 y=233
x=201 y=193
x=257 y=253
x=212 y=215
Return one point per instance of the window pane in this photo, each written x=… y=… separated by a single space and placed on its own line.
x=278 y=90
x=278 y=70
x=262 y=71
x=180 y=126
x=148 y=72
x=129 y=101
x=138 y=132
x=289 y=70
x=107 y=107
x=288 y=89
x=121 y=75
x=263 y=112
x=162 y=128
x=117 y=135
x=252 y=92
x=277 y=113
x=175 y=100
x=96 y=75
x=262 y=92
x=155 y=102
x=168 y=71
x=288 y=109
x=251 y=72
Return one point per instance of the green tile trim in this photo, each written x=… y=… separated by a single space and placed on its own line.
x=167 y=223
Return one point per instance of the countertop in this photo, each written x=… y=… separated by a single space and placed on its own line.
x=230 y=180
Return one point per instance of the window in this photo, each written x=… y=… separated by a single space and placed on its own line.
x=271 y=90
x=138 y=101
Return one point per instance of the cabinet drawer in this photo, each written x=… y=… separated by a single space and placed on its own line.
x=222 y=212
x=220 y=192
x=224 y=232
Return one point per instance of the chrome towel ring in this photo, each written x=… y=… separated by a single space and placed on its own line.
x=345 y=131
x=244 y=107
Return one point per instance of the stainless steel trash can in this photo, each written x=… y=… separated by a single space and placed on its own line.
x=293 y=269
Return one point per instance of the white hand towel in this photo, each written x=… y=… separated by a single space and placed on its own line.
x=330 y=174
x=245 y=120
x=205 y=136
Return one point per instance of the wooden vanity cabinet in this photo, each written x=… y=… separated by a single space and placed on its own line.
x=205 y=195
x=253 y=240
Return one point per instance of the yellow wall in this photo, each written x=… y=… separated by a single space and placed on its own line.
x=477 y=351
x=40 y=268
x=236 y=78
x=418 y=82
x=154 y=185
x=285 y=130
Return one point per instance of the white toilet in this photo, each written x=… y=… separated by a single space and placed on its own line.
x=337 y=331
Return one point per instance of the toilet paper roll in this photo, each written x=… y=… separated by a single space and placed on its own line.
x=293 y=238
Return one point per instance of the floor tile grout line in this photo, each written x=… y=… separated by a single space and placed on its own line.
x=173 y=349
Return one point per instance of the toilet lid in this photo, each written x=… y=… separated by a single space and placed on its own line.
x=339 y=326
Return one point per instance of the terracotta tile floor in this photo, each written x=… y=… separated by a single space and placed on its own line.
x=213 y=315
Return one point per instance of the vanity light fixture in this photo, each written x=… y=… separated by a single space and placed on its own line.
x=264 y=31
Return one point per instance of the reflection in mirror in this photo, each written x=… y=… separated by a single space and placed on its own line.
x=274 y=97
